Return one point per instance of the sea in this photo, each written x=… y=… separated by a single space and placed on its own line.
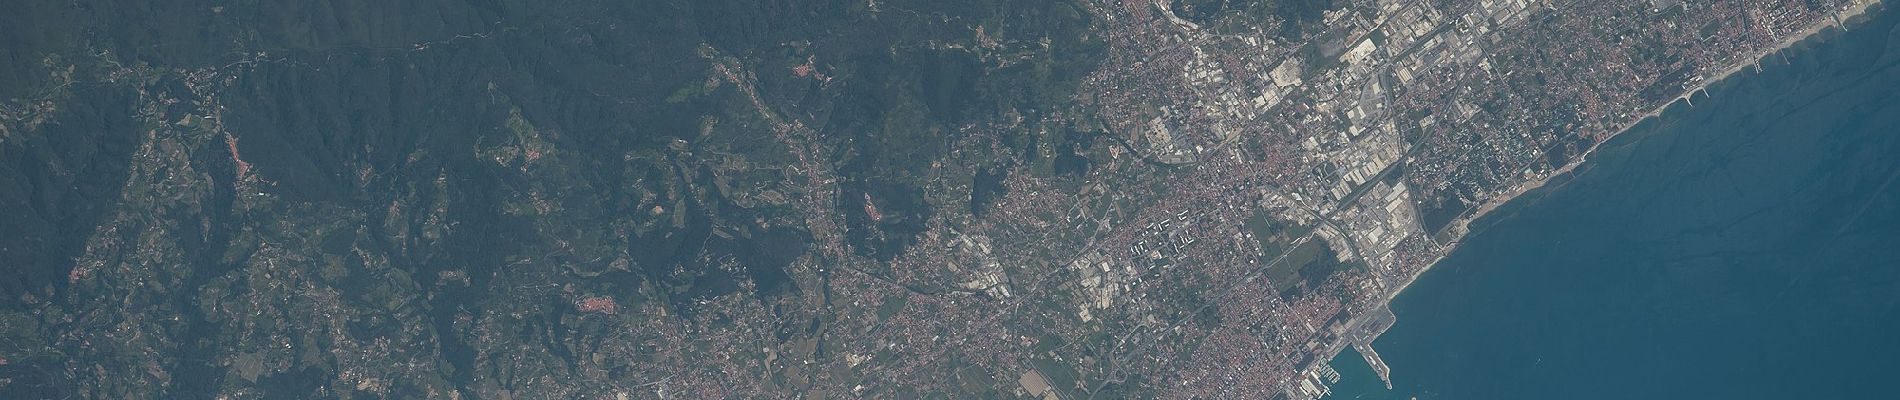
x=1745 y=247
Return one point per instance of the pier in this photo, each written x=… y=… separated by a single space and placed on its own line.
x=1378 y=365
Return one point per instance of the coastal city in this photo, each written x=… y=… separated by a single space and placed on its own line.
x=889 y=199
x=1311 y=177
x=1370 y=142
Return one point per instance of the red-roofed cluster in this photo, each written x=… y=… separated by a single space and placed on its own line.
x=597 y=304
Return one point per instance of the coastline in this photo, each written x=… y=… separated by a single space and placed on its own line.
x=1460 y=227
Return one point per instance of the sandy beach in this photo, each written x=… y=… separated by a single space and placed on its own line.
x=1460 y=227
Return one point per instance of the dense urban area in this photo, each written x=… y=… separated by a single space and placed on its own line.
x=734 y=199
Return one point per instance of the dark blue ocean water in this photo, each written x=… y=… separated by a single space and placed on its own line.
x=1744 y=248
